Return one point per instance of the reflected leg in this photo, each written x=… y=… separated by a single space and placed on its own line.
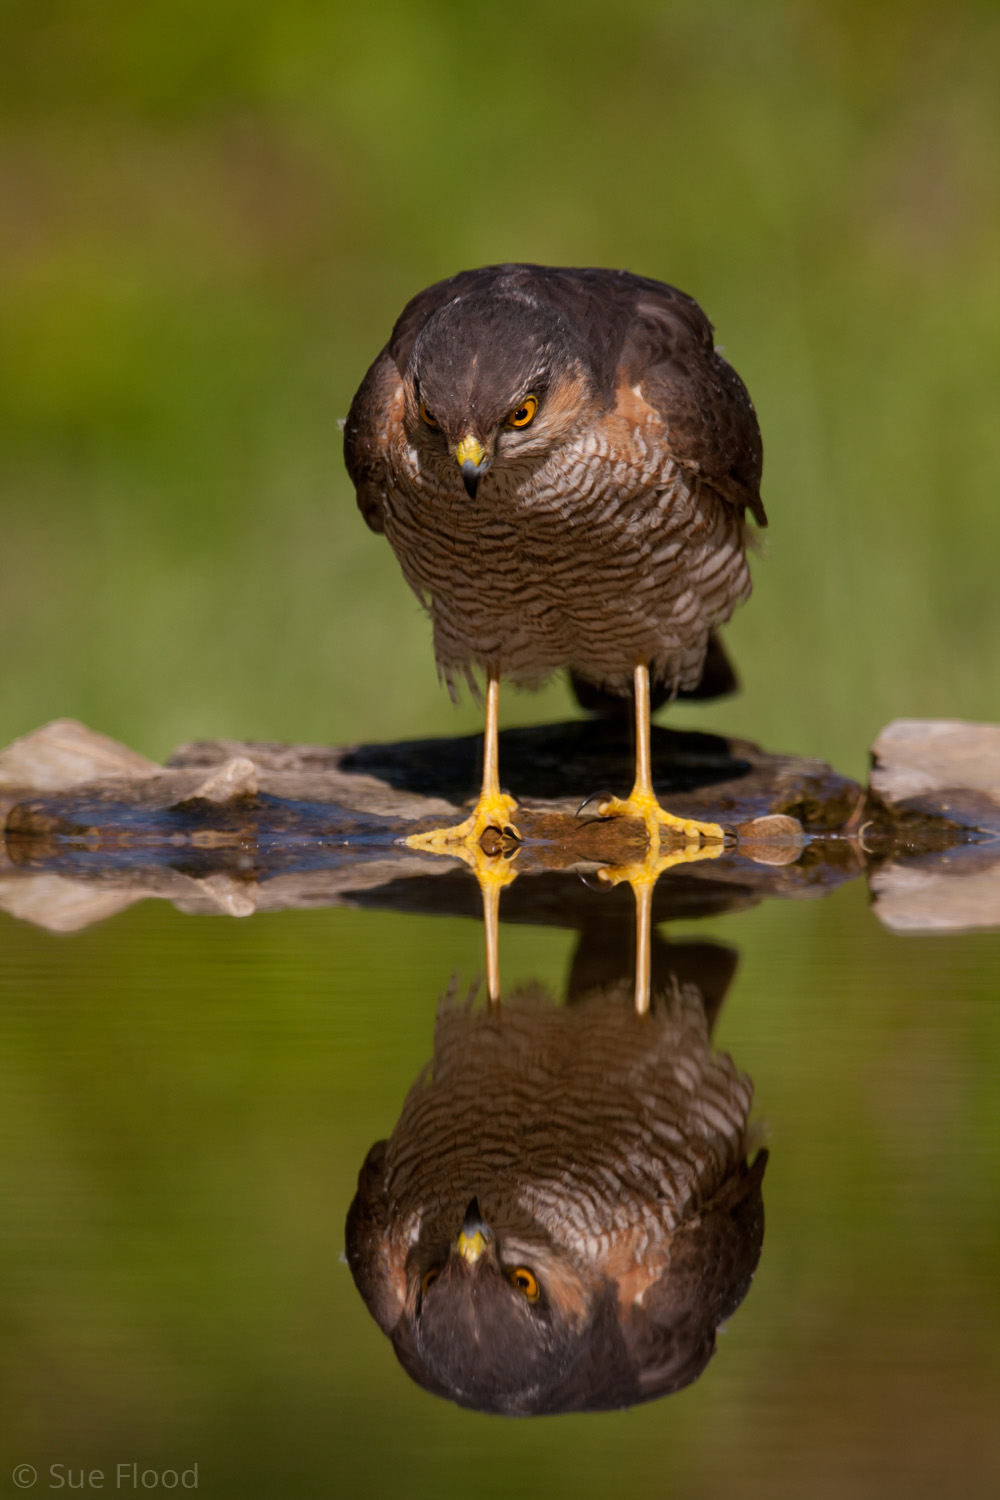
x=642 y=877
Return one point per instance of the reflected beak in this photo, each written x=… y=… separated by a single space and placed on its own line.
x=474 y=1236
x=473 y=460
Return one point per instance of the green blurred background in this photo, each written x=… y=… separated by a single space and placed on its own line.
x=211 y=214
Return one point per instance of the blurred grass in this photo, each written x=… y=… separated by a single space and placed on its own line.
x=209 y=218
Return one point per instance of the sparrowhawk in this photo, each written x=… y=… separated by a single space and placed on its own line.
x=563 y=463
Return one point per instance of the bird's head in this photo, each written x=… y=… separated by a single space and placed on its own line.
x=493 y=381
x=492 y=1313
x=511 y=1323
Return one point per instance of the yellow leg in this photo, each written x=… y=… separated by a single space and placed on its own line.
x=493 y=810
x=641 y=801
x=687 y=841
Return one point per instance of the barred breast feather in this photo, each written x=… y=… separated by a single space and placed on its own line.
x=596 y=561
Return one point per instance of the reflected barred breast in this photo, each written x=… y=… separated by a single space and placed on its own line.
x=590 y=1124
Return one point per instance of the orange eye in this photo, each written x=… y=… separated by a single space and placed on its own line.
x=525 y=1282
x=429 y=1278
x=431 y=421
x=523 y=415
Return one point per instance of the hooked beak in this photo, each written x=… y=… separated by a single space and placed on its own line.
x=474 y=1236
x=473 y=460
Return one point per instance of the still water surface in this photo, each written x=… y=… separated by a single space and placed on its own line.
x=186 y=1103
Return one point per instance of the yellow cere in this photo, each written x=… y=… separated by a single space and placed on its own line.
x=471 y=1246
x=470 y=450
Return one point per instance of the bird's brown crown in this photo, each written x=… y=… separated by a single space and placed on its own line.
x=497 y=366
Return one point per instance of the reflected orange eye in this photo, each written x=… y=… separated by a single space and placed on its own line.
x=523 y=415
x=429 y=1278
x=525 y=1282
x=431 y=420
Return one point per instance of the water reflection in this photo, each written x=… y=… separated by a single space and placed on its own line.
x=564 y=1212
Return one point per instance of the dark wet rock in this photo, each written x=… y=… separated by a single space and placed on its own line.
x=387 y=791
x=241 y=826
x=555 y=767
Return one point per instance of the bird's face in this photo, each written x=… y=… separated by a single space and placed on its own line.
x=491 y=1312
x=492 y=387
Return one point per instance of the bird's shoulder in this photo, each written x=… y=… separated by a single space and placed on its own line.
x=642 y=334
x=669 y=355
x=376 y=1264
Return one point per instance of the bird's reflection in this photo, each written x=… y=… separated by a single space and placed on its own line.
x=564 y=1212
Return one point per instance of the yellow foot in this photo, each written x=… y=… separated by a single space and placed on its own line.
x=493 y=810
x=662 y=825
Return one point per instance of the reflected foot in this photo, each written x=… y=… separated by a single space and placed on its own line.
x=662 y=826
x=492 y=872
x=642 y=876
x=492 y=814
x=492 y=875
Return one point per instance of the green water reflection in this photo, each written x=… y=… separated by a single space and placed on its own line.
x=185 y=1106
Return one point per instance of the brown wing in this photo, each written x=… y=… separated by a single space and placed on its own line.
x=671 y=1334
x=713 y=427
x=366 y=433
x=378 y=1268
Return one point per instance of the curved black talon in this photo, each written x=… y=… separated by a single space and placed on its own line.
x=594 y=797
